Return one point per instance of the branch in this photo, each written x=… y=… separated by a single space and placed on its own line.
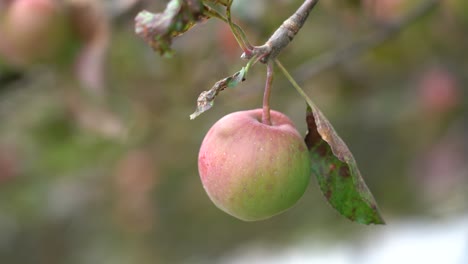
x=363 y=45
x=272 y=48
x=283 y=35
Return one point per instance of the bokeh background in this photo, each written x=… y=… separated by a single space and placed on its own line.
x=98 y=163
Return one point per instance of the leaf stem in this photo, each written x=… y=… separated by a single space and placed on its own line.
x=237 y=31
x=284 y=34
x=266 y=96
x=250 y=63
x=294 y=83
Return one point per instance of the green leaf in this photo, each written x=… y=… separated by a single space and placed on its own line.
x=337 y=172
x=159 y=29
x=335 y=167
x=237 y=78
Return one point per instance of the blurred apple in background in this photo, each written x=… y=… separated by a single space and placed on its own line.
x=227 y=43
x=384 y=11
x=72 y=36
x=33 y=31
x=439 y=91
x=9 y=163
x=136 y=177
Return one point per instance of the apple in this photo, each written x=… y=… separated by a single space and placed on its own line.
x=253 y=170
x=384 y=11
x=33 y=31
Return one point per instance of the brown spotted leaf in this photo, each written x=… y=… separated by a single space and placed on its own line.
x=337 y=172
x=159 y=29
x=206 y=99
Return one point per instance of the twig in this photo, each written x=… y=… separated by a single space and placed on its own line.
x=283 y=35
x=361 y=46
x=239 y=34
x=265 y=53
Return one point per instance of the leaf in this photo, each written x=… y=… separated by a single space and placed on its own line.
x=159 y=29
x=206 y=99
x=335 y=167
x=237 y=78
x=337 y=172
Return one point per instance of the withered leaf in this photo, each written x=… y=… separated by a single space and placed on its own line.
x=337 y=172
x=159 y=29
x=206 y=99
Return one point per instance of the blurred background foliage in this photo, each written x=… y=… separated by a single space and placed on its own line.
x=98 y=163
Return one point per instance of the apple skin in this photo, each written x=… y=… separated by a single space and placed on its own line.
x=33 y=32
x=251 y=170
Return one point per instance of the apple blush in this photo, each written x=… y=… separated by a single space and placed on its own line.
x=253 y=170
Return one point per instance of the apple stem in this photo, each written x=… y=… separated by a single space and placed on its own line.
x=266 y=96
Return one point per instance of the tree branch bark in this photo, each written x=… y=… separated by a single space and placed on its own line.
x=283 y=35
